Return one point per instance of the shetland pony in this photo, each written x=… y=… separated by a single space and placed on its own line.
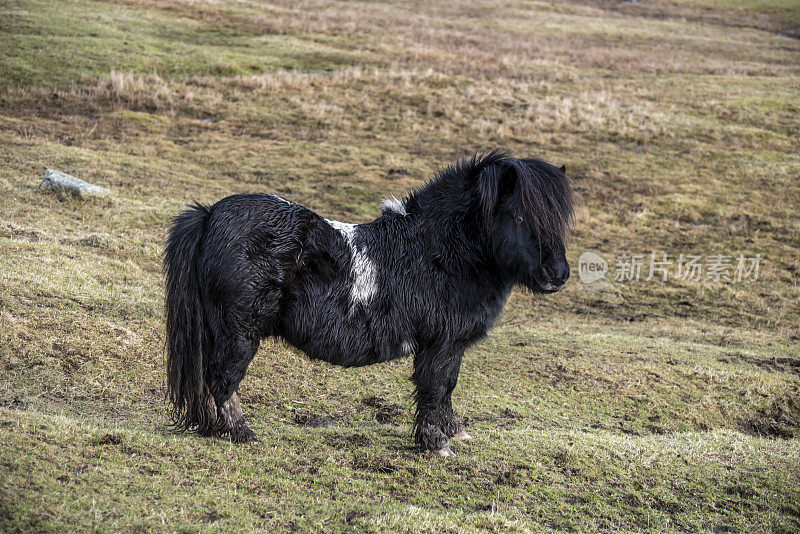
x=427 y=278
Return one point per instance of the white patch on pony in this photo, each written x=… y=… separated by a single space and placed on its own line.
x=407 y=347
x=365 y=276
x=394 y=204
x=276 y=197
x=346 y=229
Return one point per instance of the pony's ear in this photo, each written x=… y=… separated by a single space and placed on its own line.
x=564 y=168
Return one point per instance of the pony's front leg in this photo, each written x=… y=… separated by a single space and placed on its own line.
x=452 y=426
x=435 y=377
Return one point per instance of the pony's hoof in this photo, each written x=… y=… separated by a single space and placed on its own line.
x=461 y=435
x=243 y=435
x=444 y=452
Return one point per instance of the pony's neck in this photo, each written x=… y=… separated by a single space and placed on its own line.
x=455 y=243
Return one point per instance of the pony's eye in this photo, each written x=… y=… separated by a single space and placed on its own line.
x=519 y=220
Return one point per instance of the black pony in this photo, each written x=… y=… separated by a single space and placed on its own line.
x=428 y=277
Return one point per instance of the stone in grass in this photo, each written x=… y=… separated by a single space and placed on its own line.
x=64 y=183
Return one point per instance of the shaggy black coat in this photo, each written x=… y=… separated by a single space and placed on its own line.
x=428 y=277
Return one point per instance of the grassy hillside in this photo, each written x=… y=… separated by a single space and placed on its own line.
x=626 y=405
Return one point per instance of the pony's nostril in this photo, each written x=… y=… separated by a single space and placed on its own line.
x=556 y=275
x=562 y=275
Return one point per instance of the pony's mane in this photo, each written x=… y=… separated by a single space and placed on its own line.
x=542 y=191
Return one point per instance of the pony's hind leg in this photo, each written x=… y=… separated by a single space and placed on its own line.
x=231 y=365
x=231 y=421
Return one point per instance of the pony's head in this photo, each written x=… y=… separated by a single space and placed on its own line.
x=525 y=209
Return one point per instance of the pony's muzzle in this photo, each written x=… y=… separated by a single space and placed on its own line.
x=552 y=288
x=555 y=276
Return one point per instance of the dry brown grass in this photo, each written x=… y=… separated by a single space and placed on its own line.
x=470 y=38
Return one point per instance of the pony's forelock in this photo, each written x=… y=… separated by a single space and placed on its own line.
x=545 y=195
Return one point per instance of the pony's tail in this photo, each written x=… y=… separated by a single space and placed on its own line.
x=192 y=407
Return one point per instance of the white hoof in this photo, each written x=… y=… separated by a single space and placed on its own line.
x=444 y=452
x=461 y=435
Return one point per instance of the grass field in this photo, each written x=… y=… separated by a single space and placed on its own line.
x=619 y=405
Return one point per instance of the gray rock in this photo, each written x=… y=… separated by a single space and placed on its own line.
x=64 y=183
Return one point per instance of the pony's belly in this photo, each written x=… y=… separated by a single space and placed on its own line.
x=344 y=354
x=322 y=336
x=342 y=358
x=348 y=341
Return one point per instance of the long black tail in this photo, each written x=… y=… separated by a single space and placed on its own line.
x=192 y=406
